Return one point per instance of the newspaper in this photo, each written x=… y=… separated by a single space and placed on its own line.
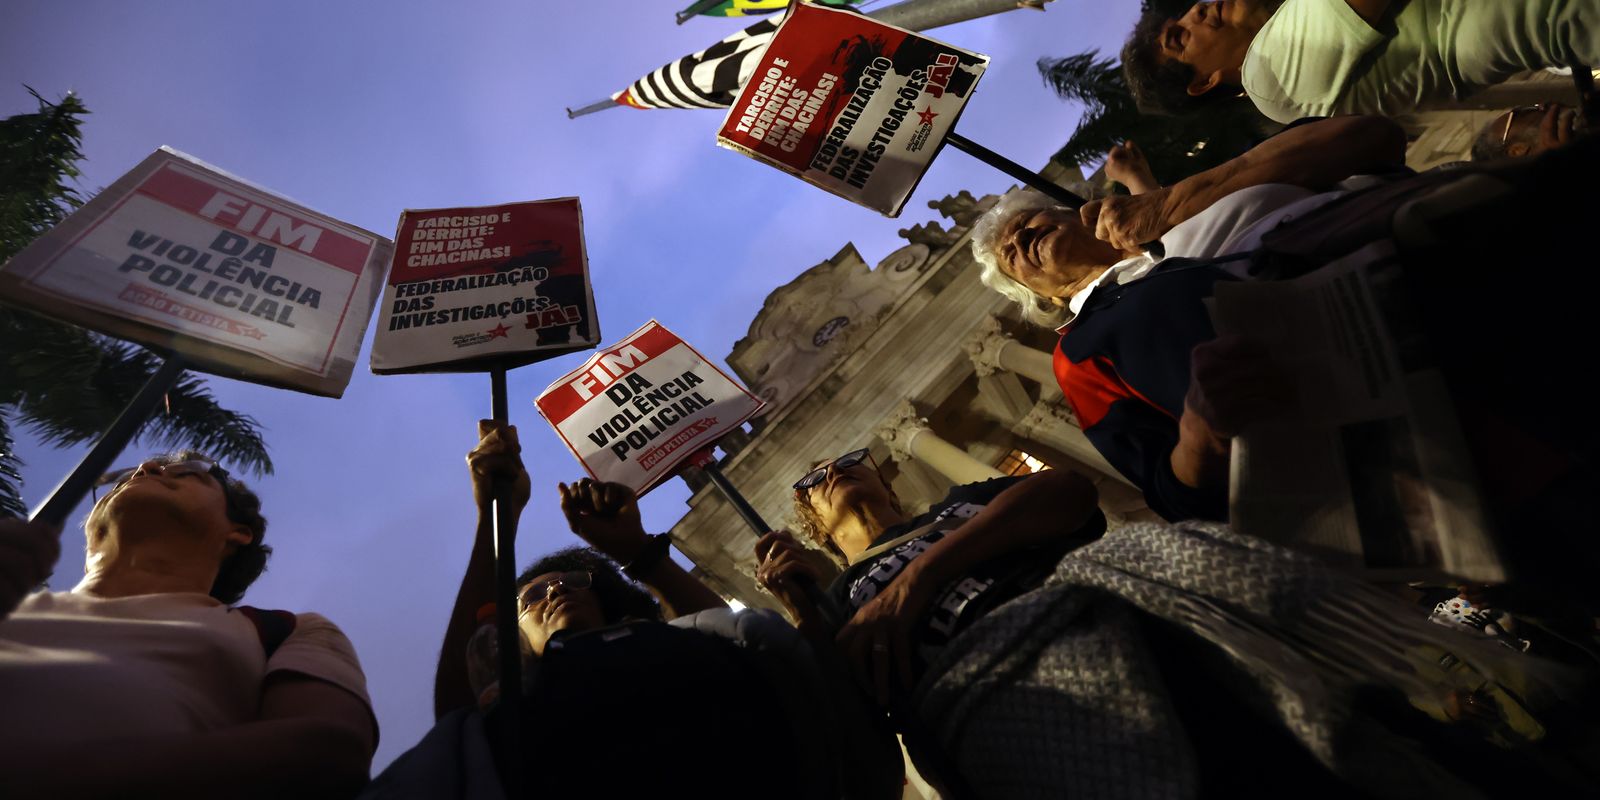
x=1370 y=470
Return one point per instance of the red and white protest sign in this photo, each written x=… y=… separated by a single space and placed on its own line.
x=244 y=283
x=636 y=410
x=852 y=105
x=493 y=286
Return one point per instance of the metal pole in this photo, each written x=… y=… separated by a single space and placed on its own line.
x=505 y=603
x=922 y=15
x=696 y=9
x=59 y=504
x=1588 y=101
x=598 y=105
x=1033 y=179
x=915 y=15
x=822 y=602
x=1015 y=170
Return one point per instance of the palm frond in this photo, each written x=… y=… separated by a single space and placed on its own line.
x=70 y=385
x=1087 y=78
x=10 y=474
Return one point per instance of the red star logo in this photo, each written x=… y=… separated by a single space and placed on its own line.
x=498 y=330
x=927 y=115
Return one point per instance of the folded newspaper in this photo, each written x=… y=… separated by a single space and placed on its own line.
x=1371 y=469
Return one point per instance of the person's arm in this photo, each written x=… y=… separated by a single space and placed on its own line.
x=312 y=739
x=1040 y=509
x=1314 y=156
x=606 y=515
x=782 y=564
x=28 y=552
x=1127 y=165
x=497 y=455
x=1232 y=383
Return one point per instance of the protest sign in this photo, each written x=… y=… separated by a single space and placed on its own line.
x=479 y=288
x=240 y=282
x=636 y=410
x=851 y=105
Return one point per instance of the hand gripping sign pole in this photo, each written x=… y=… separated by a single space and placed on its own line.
x=508 y=640
x=123 y=429
x=707 y=462
x=1032 y=179
x=489 y=289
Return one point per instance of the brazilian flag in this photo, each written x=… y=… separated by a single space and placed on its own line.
x=742 y=8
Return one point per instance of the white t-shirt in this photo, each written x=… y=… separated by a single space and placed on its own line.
x=79 y=668
x=1320 y=58
x=1234 y=224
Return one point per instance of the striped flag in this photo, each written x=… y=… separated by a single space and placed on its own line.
x=710 y=78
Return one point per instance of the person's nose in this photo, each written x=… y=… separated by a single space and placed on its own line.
x=556 y=588
x=150 y=467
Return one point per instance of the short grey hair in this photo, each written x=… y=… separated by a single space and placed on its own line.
x=985 y=248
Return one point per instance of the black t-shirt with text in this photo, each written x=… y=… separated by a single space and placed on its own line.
x=970 y=596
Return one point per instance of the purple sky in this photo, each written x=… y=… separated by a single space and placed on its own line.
x=362 y=110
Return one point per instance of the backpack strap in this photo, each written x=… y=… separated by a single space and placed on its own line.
x=272 y=626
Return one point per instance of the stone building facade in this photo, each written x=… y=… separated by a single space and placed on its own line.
x=913 y=358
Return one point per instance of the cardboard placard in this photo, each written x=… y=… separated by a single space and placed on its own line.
x=492 y=286
x=852 y=105
x=181 y=256
x=636 y=410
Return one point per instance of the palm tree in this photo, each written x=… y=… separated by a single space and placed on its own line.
x=1176 y=147
x=64 y=383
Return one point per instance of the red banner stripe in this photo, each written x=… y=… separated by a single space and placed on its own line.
x=563 y=400
x=263 y=220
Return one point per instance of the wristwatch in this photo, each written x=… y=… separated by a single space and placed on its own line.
x=645 y=561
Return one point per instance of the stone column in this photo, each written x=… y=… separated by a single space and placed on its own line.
x=1052 y=423
x=992 y=350
x=908 y=437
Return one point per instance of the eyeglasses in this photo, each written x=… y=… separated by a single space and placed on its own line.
x=820 y=474
x=540 y=589
x=1511 y=118
x=192 y=467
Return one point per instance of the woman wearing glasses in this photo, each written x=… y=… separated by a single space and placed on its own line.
x=1023 y=651
x=147 y=680
x=913 y=583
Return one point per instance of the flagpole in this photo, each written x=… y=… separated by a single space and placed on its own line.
x=914 y=15
x=695 y=10
x=922 y=15
x=598 y=105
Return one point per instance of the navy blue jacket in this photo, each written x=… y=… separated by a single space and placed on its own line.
x=1123 y=365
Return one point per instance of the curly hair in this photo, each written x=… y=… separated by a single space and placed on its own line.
x=986 y=251
x=620 y=598
x=248 y=561
x=1159 y=85
x=811 y=525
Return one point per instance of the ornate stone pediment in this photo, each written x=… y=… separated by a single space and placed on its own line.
x=810 y=322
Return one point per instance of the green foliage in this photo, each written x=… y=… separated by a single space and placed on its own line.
x=63 y=383
x=1176 y=147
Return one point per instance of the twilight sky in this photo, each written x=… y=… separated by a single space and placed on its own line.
x=362 y=109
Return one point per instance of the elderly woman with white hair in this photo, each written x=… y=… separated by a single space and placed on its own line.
x=1130 y=320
